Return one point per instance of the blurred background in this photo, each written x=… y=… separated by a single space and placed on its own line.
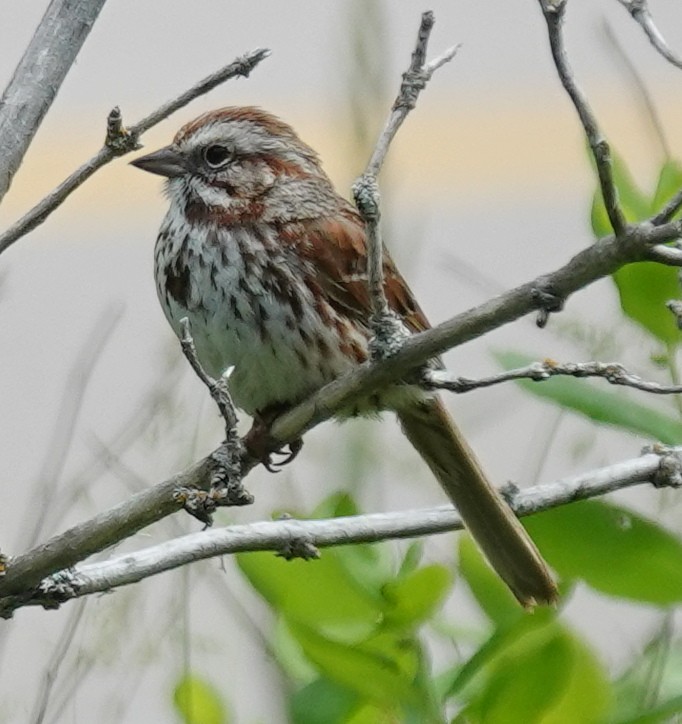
x=488 y=185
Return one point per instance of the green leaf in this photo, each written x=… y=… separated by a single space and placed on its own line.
x=321 y=702
x=543 y=675
x=635 y=204
x=412 y=599
x=321 y=593
x=643 y=287
x=603 y=406
x=612 y=549
x=494 y=598
x=372 y=713
x=663 y=713
x=586 y=695
x=198 y=702
x=412 y=558
x=337 y=505
x=381 y=677
x=669 y=183
x=369 y=565
x=530 y=684
x=502 y=638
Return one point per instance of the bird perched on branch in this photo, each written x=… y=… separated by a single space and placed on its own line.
x=269 y=265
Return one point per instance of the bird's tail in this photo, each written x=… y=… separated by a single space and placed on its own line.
x=491 y=522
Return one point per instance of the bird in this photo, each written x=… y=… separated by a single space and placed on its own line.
x=268 y=263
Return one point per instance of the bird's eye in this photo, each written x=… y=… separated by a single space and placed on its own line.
x=216 y=155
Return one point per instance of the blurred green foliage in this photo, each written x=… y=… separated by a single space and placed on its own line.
x=644 y=288
x=350 y=630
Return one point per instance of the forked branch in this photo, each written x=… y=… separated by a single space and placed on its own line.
x=121 y=140
x=661 y=467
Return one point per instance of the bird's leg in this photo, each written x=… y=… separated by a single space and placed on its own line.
x=260 y=444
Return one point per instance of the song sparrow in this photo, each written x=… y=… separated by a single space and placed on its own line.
x=268 y=263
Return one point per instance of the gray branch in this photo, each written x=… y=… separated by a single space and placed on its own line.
x=660 y=467
x=217 y=388
x=125 y=141
x=613 y=372
x=639 y=9
x=668 y=255
x=38 y=77
x=669 y=210
x=554 y=10
x=386 y=326
x=124 y=520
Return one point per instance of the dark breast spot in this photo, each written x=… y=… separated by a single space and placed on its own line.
x=262 y=317
x=177 y=283
x=235 y=308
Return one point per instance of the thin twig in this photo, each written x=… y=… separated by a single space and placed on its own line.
x=55 y=663
x=639 y=9
x=613 y=372
x=669 y=210
x=554 y=10
x=662 y=467
x=667 y=255
x=414 y=81
x=128 y=141
x=366 y=189
x=227 y=472
x=217 y=388
x=39 y=76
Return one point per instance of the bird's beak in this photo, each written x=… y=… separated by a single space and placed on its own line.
x=166 y=161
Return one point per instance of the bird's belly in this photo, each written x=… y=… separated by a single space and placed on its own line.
x=280 y=348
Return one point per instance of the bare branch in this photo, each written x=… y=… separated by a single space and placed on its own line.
x=39 y=76
x=366 y=190
x=226 y=475
x=639 y=9
x=118 y=523
x=660 y=467
x=668 y=255
x=415 y=79
x=669 y=210
x=554 y=10
x=240 y=67
x=612 y=372
x=217 y=388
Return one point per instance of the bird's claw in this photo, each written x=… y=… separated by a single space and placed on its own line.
x=259 y=445
x=289 y=456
